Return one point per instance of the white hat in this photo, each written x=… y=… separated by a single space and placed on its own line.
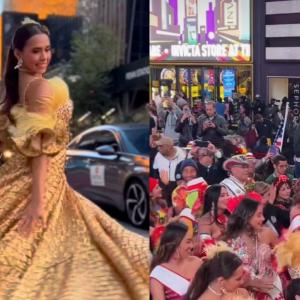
x=234 y=161
x=187 y=213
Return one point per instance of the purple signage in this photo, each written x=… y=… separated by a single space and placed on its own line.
x=204 y=30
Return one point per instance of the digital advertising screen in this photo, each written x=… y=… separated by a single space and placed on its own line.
x=227 y=80
x=202 y=30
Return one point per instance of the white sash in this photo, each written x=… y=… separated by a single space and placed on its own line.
x=233 y=187
x=295 y=224
x=205 y=236
x=171 y=280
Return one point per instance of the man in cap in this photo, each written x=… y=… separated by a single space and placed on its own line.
x=238 y=168
x=165 y=162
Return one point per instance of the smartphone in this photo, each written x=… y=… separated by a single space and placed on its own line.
x=202 y=144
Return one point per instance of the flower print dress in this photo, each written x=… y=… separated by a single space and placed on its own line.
x=259 y=267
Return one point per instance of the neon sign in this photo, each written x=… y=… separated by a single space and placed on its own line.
x=206 y=30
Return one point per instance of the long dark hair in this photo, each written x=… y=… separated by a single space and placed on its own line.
x=223 y=264
x=293 y=290
x=239 y=220
x=169 y=242
x=279 y=183
x=211 y=199
x=11 y=75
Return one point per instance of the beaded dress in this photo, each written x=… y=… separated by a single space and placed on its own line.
x=82 y=253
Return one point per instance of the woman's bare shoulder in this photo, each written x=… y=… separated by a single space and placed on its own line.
x=268 y=236
x=243 y=292
x=194 y=260
x=205 y=219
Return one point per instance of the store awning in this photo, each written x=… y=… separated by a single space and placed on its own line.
x=133 y=76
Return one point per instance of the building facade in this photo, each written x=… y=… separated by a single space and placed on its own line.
x=277 y=49
x=201 y=48
x=129 y=21
x=110 y=13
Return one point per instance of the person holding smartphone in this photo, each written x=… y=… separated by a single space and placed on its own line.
x=168 y=114
x=186 y=126
x=211 y=126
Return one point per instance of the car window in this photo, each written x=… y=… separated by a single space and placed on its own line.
x=74 y=143
x=95 y=139
x=137 y=140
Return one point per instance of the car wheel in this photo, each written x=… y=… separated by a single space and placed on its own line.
x=136 y=201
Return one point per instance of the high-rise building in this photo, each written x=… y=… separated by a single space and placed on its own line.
x=129 y=21
x=43 y=8
x=132 y=77
x=110 y=13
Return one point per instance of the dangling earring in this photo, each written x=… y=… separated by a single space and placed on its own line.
x=19 y=64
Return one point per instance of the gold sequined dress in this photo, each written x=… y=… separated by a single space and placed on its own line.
x=82 y=254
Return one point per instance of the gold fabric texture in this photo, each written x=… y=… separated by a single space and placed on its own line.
x=82 y=254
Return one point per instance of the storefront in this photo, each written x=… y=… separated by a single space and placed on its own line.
x=201 y=48
x=131 y=82
x=202 y=81
x=279 y=87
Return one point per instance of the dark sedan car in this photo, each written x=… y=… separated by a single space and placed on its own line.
x=109 y=164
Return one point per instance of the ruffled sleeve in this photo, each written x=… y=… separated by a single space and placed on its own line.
x=34 y=132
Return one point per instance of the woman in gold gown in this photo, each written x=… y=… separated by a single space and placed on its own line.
x=55 y=244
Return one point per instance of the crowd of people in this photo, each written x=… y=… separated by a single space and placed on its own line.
x=224 y=207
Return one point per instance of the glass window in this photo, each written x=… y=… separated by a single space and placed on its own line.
x=137 y=140
x=184 y=81
x=196 y=83
x=244 y=81
x=208 y=84
x=95 y=139
x=167 y=82
x=203 y=82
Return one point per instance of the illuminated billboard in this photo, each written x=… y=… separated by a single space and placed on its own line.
x=44 y=8
x=200 y=30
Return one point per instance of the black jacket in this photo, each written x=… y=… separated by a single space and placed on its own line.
x=280 y=218
x=214 y=135
x=264 y=128
x=188 y=132
x=213 y=175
